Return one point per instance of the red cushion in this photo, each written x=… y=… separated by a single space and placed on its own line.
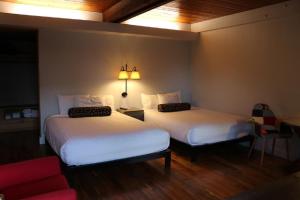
x=49 y=184
x=68 y=194
x=270 y=121
x=263 y=132
x=27 y=171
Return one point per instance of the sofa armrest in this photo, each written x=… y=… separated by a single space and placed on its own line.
x=68 y=194
x=26 y=171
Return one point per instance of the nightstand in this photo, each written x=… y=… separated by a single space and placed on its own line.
x=133 y=112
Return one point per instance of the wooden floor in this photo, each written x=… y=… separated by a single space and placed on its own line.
x=219 y=173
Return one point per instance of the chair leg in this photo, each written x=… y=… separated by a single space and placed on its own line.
x=252 y=147
x=287 y=149
x=251 y=140
x=263 y=151
x=273 y=146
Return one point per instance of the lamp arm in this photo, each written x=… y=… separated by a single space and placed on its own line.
x=124 y=94
x=126 y=85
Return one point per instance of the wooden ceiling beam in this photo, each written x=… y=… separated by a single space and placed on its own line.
x=126 y=9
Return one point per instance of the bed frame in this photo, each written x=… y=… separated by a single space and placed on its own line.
x=193 y=150
x=166 y=154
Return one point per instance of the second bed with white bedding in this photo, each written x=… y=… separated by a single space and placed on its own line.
x=81 y=141
x=199 y=126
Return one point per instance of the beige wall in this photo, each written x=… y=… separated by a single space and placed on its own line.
x=234 y=68
x=88 y=63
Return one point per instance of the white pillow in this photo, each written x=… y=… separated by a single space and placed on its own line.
x=106 y=100
x=87 y=101
x=96 y=101
x=149 y=101
x=82 y=101
x=174 y=97
x=65 y=102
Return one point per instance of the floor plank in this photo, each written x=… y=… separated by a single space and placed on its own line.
x=219 y=173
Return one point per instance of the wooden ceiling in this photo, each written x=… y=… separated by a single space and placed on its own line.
x=192 y=11
x=184 y=11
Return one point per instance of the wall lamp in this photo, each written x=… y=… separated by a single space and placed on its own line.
x=125 y=74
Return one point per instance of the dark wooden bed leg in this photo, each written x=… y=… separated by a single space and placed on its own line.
x=168 y=160
x=193 y=154
x=48 y=150
x=68 y=172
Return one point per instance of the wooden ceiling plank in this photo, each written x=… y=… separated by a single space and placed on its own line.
x=126 y=9
x=192 y=11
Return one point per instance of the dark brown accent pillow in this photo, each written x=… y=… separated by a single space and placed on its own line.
x=77 y=112
x=173 y=107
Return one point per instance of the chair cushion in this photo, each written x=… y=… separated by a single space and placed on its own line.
x=28 y=171
x=36 y=188
x=66 y=194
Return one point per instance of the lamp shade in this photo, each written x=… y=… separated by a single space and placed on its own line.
x=123 y=74
x=135 y=75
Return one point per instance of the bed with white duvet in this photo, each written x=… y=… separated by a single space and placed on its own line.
x=199 y=126
x=89 y=140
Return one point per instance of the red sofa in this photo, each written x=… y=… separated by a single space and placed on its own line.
x=39 y=179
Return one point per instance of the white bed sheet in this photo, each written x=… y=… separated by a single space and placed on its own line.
x=81 y=141
x=199 y=126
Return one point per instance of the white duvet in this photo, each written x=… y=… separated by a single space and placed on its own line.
x=81 y=141
x=199 y=126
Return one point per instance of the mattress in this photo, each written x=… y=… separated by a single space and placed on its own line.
x=199 y=126
x=82 y=141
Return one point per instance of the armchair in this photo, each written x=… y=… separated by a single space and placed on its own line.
x=266 y=124
x=35 y=179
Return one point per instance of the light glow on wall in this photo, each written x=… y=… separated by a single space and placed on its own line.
x=153 y=23
x=43 y=11
x=77 y=5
